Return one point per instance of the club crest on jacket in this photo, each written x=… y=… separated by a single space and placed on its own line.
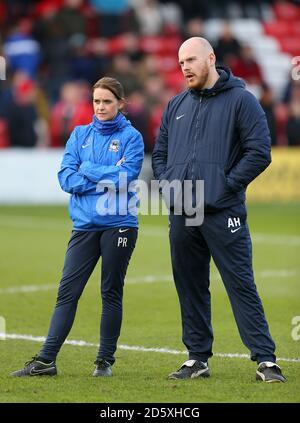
x=114 y=146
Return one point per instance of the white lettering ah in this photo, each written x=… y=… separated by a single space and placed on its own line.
x=237 y=221
x=234 y=222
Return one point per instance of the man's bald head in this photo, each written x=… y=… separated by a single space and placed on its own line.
x=197 y=43
x=197 y=60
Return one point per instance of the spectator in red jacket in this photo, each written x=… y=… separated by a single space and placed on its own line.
x=246 y=67
x=73 y=108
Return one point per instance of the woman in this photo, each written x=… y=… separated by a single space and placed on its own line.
x=96 y=155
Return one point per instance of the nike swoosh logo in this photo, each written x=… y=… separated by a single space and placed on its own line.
x=234 y=230
x=198 y=373
x=36 y=372
x=123 y=230
x=179 y=117
x=85 y=145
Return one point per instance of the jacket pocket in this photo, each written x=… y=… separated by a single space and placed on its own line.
x=80 y=210
x=175 y=172
x=217 y=193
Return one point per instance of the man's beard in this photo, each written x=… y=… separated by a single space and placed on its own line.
x=201 y=80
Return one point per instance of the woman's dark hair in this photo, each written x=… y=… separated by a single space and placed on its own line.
x=112 y=85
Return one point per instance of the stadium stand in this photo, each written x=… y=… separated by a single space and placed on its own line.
x=56 y=49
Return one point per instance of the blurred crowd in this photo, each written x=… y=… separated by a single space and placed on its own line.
x=55 y=50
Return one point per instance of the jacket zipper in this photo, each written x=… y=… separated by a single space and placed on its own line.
x=195 y=140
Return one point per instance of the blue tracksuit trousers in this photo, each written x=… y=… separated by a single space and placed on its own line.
x=225 y=237
x=115 y=246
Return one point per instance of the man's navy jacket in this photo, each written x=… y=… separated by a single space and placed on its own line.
x=219 y=135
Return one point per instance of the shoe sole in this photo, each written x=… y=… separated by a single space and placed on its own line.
x=261 y=378
x=99 y=374
x=201 y=373
x=46 y=374
x=37 y=374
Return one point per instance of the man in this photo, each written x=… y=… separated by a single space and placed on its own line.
x=215 y=131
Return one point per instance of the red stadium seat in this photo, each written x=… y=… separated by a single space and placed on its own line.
x=175 y=80
x=286 y=11
x=296 y=27
x=160 y=45
x=290 y=45
x=279 y=29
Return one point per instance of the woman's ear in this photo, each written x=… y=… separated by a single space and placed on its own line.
x=121 y=105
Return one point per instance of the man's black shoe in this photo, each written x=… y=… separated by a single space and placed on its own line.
x=103 y=368
x=36 y=367
x=269 y=372
x=191 y=369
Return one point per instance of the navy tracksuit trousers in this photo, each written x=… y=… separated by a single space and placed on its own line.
x=115 y=246
x=224 y=236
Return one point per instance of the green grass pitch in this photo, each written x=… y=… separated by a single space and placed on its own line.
x=32 y=248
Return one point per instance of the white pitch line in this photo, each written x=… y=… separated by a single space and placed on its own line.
x=28 y=288
x=281 y=273
x=38 y=223
x=148 y=279
x=31 y=222
x=272 y=239
x=133 y=347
